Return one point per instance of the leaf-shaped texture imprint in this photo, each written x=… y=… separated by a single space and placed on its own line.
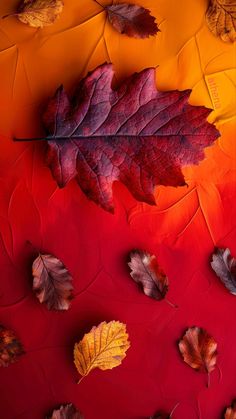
x=103 y=347
x=135 y=134
x=52 y=282
x=221 y=19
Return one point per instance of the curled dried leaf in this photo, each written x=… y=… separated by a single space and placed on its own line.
x=39 y=13
x=146 y=272
x=198 y=350
x=104 y=347
x=10 y=347
x=230 y=412
x=224 y=266
x=132 y=20
x=221 y=19
x=68 y=411
x=52 y=282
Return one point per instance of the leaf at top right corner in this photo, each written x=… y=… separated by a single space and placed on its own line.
x=224 y=266
x=221 y=19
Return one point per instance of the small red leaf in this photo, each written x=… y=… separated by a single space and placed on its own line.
x=68 y=411
x=52 y=282
x=198 y=350
x=132 y=20
x=231 y=411
x=146 y=272
x=224 y=266
x=10 y=347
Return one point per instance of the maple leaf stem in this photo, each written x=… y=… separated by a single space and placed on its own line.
x=170 y=303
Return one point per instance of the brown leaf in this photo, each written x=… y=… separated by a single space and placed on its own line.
x=224 y=266
x=146 y=272
x=231 y=411
x=52 y=282
x=103 y=347
x=198 y=350
x=160 y=415
x=132 y=20
x=221 y=19
x=68 y=411
x=39 y=13
x=10 y=347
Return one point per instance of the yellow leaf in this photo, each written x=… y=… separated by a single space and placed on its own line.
x=221 y=19
x=40 y=13
x=103 y=347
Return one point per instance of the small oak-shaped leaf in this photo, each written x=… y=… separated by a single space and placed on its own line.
x=10 y=347
x=132 y=20
x=135 y=134
x=39 y=13
x=221 y=19
x=52 y=282
x=198 y=350
x=103 y=347
x=147 y=273
x=68 y=411
x=224 y=266
x=230 y=412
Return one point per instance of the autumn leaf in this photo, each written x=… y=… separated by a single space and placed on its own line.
x=52 y=282
x=231 y=411
x=131 y=20
x=135 y=134
x=221 y=19
x=160 y=415
x=39 y=13
x=104 y=347
x=68 y=411
x=198 y=350
x=224 y=266
x=10 y=347
x=147 y=273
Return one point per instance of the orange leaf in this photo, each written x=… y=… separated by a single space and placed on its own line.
x=104 y=347
x=39 y=13
x=198 y=350
x=221 y=19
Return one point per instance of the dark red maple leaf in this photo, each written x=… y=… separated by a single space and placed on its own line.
x=136 y=134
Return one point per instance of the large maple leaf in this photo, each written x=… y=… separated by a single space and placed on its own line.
x=135 y=134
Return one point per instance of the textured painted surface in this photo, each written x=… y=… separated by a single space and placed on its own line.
x=182 y=230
